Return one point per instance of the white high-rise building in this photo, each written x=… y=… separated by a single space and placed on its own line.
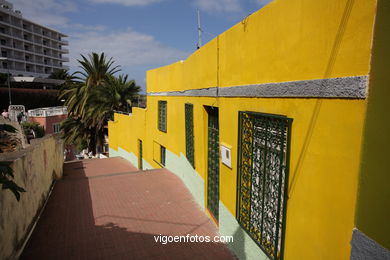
x=27 y=48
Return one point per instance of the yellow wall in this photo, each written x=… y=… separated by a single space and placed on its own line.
x=287 y=40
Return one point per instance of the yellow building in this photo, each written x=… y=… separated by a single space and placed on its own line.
x=266 y=125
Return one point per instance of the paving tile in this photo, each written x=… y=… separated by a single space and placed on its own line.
x=108 y=209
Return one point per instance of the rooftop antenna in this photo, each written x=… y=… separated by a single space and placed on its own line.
x=199 y=32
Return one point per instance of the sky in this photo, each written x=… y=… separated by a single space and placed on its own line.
x=138 y=34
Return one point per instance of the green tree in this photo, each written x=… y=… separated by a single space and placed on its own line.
x=61 y=74
x=92 y=101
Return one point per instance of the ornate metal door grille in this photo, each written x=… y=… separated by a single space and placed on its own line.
x=189 y=113
x=263 y=156
x=213 y=163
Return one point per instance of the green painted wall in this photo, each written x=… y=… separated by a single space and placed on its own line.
x=243 y=246
x=373 y=207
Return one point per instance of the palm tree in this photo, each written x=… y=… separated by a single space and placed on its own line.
x=60 y=74
x=94 y=72
x=75 y=131
x=93 y=99
x=116 y=93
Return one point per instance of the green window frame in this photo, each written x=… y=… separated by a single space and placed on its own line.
x=162 y=116
x=162 y=155
x=262 y=179
x=189 y=127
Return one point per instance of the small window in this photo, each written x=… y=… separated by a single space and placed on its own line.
x=56 y=128
x=3 y=42
x=162 y=116
x=162 y=155
x=189 y=133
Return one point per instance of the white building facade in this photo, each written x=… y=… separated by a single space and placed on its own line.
x=27 y=48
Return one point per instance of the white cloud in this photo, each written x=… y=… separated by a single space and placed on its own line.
x=46 y=12
x=219 y=5
x=128 y=48
x=128 y=2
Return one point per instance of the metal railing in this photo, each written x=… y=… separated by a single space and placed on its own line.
x=263 y=168
x=47 y=111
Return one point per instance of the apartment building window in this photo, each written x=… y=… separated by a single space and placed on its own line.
x=4 y=54
x=44 y=42
x=5 y=65
x=27 y=58
x=162 y=155
x=56 y=128
x=162 y=116
x=28 y=68
x=2 y=30
x=26 y=47
x=3 y=42
x=263 y=167
x=45 y=52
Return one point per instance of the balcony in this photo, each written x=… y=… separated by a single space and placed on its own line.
x=62 y=50
x=47 y=111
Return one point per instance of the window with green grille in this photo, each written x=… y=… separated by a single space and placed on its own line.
x=162 y=116
x=263 y=167
x=189 y=118
x=162 y=155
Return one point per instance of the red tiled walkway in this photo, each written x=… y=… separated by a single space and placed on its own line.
x=107 y=209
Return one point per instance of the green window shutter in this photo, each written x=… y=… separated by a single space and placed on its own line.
x=162 y=155
x=162 y=116
x=189 y=127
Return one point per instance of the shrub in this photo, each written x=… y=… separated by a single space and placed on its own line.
x=38 y=129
